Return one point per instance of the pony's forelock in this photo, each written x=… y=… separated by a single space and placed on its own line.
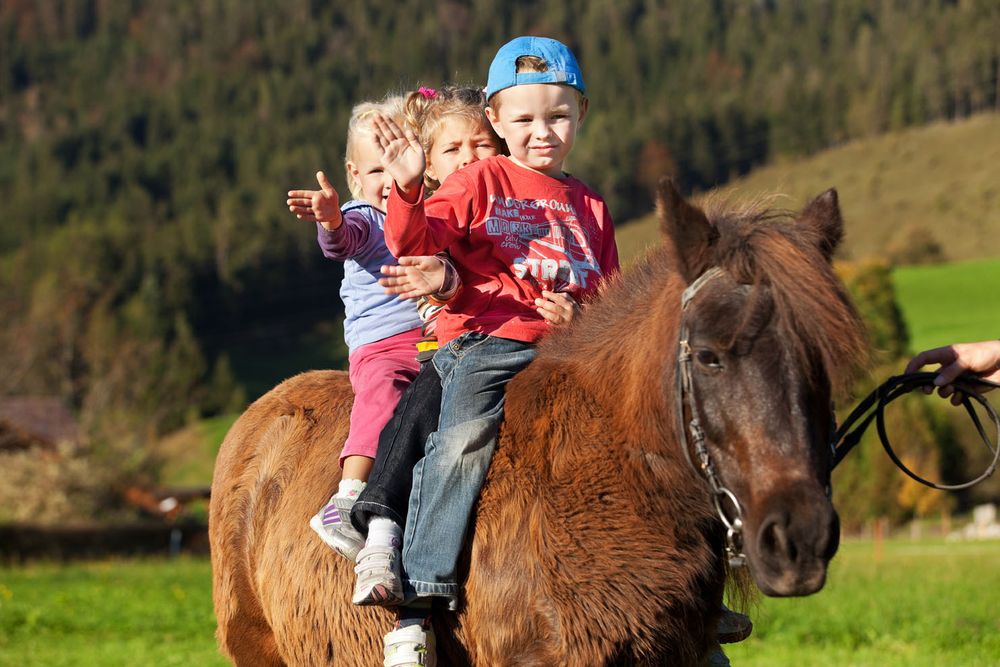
x=763 y=246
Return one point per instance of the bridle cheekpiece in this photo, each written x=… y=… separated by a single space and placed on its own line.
x=721 y=495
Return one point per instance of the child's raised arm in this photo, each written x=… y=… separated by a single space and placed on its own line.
x=322 y=206
x=401 y=155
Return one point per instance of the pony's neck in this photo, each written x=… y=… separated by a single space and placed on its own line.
x=623 y=350
x=611 y=376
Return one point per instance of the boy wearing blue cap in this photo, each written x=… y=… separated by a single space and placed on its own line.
x=520 y=230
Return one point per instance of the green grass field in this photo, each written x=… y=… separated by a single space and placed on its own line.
x=108 y=613
x=916 y=603
x=950 y=303
x=920 y=603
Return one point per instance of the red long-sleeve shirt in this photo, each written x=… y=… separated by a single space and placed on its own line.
x=512 y=232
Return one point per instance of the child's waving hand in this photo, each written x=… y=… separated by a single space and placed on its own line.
x=322 y=206
x=400 y=152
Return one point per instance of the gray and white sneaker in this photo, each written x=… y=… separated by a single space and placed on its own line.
x=412 y=646
x=333 y=525
x=380 y=580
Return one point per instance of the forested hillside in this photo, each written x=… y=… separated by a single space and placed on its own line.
x=145 y=148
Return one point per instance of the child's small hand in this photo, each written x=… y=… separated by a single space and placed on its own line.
x=322 y=206
x=400 y=153
x=413 y=277
x=557 y=307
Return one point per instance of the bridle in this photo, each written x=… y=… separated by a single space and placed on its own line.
x=721 y=495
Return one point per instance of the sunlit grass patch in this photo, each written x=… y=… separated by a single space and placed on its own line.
x=950 y=303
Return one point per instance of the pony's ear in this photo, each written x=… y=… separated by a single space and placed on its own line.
x=688 y=235
x=823 y=214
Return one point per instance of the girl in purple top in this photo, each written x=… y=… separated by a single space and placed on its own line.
x=381 y=329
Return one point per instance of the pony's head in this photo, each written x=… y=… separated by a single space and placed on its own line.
x=770 y=337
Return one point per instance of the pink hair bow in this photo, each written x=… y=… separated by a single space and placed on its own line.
x=428 y=93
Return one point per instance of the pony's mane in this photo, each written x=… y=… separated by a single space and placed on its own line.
x=766 y=247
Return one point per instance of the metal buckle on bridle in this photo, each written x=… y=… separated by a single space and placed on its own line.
x=705 y=467
x=734 y=528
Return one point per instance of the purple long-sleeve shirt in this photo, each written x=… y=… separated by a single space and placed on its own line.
x=370 y=314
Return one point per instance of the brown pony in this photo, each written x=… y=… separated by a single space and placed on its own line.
x=595 y=542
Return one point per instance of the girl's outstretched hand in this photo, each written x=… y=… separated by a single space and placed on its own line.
x=413 y=277
x=400 y=153
x=557 y=307
x=322 y=206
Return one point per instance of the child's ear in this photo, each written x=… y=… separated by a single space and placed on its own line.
x=429 y=170
x=494 y=119
x=584 y=105
x=353 y=173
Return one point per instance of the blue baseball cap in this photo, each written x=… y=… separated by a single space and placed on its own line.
x=563 y=67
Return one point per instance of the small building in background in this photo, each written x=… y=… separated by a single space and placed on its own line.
x=41 y=423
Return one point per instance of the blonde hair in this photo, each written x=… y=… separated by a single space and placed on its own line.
x=532 y=64
x=359 y=128
x=425 y=110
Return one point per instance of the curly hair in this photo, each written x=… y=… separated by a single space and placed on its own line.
x=425 y=110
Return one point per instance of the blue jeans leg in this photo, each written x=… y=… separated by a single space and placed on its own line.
x=475 y=369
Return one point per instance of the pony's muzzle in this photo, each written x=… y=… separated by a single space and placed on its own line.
x=793 y=545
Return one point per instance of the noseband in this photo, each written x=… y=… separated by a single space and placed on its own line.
x=721 y=496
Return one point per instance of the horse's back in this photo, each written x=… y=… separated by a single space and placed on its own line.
x=282 y=596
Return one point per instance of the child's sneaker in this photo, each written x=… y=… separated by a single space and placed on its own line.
x=379 y=579
x=333 y=525
x=412 y=646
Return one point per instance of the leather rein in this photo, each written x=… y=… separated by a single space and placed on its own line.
x=872 y=408
x=842 y=439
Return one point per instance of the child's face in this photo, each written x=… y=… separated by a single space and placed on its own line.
x=460 y=141
x=367 y=170
x=539 y=122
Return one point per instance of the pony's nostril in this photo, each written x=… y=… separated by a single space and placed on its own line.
x=773 y=541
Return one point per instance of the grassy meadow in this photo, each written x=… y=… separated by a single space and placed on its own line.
x=109 y=613
x=950 y=303
x=903 y=603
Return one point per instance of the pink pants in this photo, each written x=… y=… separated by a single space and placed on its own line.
x=380 y=372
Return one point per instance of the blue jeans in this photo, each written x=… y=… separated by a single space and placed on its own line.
x=474 y=369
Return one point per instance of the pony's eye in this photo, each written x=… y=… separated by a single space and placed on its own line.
x=708 y=358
